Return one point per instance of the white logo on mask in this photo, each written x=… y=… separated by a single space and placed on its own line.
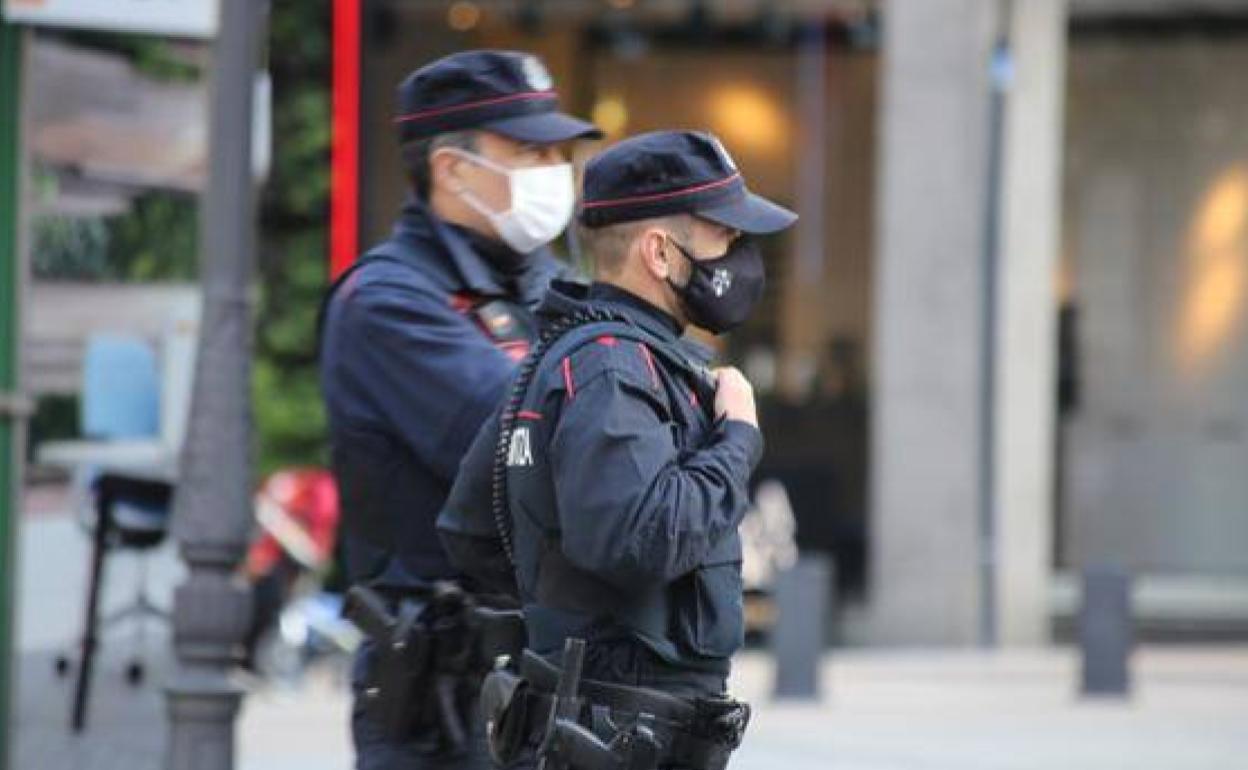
x=721 y=281
x=536 y=74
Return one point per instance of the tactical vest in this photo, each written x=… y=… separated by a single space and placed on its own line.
x=561 y=600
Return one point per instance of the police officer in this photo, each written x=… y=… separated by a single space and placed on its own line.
x=616 y=474
x=421 y=334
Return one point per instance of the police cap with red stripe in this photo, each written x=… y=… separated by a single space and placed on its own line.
x=675 y=172
x=506 y=92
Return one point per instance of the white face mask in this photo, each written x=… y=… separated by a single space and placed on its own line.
x=542 y=200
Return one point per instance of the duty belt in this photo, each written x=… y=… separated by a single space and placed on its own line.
x=604 y=726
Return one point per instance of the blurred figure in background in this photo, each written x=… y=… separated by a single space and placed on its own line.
x=297 y=511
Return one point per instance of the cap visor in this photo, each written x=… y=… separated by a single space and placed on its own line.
x=544 y=128
x=754 y=214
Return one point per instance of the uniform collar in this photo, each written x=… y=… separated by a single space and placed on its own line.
x=637 y=309
x=464 y=267
x=651 y=318
x=566 y=298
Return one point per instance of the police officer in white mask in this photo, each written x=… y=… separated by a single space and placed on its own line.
x=421 y=335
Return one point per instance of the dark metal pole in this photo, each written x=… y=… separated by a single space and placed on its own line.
x=811 y=159
x=1001 y=75
x=213 y=503
x=14 y=407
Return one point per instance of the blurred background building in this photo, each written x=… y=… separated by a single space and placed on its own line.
x=1005 y=342
x=1007 y=339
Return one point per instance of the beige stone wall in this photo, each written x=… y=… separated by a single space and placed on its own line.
x=1156 y=261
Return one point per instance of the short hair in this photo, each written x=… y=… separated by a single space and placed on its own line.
x=416 y=155
x=608 y=245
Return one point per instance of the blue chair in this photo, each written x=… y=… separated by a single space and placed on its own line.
x=120 y=389
x=121 y=398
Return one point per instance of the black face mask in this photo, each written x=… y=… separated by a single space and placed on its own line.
x=721 y=292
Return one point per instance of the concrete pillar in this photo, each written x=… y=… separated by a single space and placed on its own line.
x=933 y=162
x=936 y=577
x=1027 y=316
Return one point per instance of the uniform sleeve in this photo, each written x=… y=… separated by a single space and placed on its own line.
x=631 y=507
x=426 y=369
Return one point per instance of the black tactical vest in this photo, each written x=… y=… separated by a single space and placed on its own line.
x=698 y=616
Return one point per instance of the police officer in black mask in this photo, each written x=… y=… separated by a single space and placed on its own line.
x=608 y=492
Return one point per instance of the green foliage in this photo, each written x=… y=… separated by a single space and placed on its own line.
x=157 y=240
x=55 y=418
x=293 y=259
x=154 y=241
x=69 y=248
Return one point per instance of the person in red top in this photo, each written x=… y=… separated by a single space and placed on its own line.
x=297 y=511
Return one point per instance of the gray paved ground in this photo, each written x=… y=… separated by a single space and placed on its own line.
x=912 y=711
x=881 y=710
x=126 y=727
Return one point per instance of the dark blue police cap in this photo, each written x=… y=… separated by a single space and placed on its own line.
x=674 y=172
x=506 y=92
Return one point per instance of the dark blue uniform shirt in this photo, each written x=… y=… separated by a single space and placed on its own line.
x=411 y=365
x=625 y=495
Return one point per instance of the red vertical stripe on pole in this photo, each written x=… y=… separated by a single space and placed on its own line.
x=344 y=195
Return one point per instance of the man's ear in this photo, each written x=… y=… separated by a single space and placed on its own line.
x=444 y=170
x=656 y=252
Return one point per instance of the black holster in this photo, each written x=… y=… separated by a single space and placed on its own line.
x=430 y=655
x=505 y=711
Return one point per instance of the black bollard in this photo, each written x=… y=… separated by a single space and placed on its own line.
x=1105 y=632
x=802 y=603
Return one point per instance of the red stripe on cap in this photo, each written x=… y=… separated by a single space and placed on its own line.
x=436 y=111
x=663 y=195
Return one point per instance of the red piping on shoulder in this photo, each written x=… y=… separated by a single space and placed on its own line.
x=462 y=303
x=645 y=353
x=515 y=350
x=567 y=377
x=527 y=415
